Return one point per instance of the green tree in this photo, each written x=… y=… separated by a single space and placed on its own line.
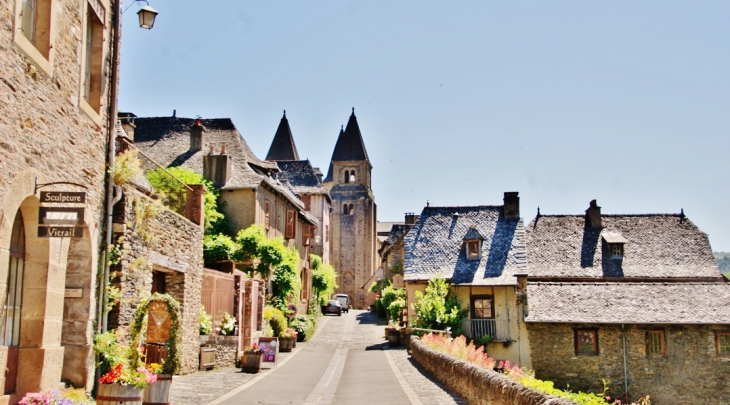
x=324 y=278
x=437 y=309
x=390 y=295
x=174 y=195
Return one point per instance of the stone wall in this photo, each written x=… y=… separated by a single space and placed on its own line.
x=167 y=242
x=690 y=356
x=476 y=384
x=226 y=353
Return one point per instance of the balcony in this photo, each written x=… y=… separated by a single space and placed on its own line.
x=498 y=329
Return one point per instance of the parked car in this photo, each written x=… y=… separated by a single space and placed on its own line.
x=332 y=307
x=344 y=301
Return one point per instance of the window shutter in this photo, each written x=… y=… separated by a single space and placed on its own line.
x=291 y=221
x=267 y=214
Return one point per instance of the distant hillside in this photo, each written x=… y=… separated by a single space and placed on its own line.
x=723 y=262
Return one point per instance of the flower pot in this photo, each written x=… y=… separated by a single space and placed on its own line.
x=393 y=338
x=286 y=344
x=158 y=392
x=251 y=362
x=118 y=394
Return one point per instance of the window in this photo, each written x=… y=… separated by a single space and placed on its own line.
x=347 y=176
x=722 y=342
x=158 y=282
x=291 y=222
x=33 y=33
x=306 y=234
x=307 y=200
x=93 y=56
x=345 y=209
x=10 y=335
x=472 y=249
x=267 y=214
x=351 y=210
x=352 y=176
x=655 y=343
x=616 y=249
x=586 y=342
x=482 y=307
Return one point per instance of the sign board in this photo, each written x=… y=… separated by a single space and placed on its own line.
x=63 y=197
x=398 y=281
x=158 y=323
x=60 y=232
x=74 y=293
x=60 y=216
x=293 y=310
x=270 y=346
x=167 y=262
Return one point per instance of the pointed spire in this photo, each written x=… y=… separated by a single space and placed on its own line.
x=350 y=146
x=283 y=147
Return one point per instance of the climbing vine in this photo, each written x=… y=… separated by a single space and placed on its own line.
x=172 y=361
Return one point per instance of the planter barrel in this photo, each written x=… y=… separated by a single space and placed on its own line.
x=393 y=338
x=118 y=394
x=251 y=362
x=286 y=344
x=158 y=393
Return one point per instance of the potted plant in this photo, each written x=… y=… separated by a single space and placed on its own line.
x=287 y=340
x=228 y=326
x=251 y=359
x=66 y=396
x=393 y=336
x=123 y=385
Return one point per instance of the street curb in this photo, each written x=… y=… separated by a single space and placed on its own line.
x=410 y=393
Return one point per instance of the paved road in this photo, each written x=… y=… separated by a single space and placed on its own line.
x=347 y=362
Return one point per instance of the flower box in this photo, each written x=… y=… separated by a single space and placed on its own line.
x=251 y=362
x=118 y=394
x=286 y=344
x=159 y=391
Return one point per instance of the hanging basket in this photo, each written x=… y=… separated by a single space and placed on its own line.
x=118 y=394
x=158 y=393
x=251 y=362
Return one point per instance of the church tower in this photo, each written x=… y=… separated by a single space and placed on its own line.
x=353 y=218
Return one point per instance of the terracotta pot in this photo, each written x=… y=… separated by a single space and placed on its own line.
x=118 y=394
x=286 y=344
x=251 y=362
x=158 y=392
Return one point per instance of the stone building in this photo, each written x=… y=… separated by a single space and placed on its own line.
x=56 y=78
x=480 y=252
x=354 y=215
x=306 y=182
x=636 y=300
x=391 y=250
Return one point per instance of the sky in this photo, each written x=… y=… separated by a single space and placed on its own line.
x=624 y=102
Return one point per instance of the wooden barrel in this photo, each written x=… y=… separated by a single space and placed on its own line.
x=251 y=362
x=286 y=344
x=118 y=394
x=158 y=393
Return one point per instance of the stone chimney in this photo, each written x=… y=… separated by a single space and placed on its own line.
x=593 y=216
x=217 y=168
x=195 y=203
x=511 y=205
x=411 y=218
x=196 y=135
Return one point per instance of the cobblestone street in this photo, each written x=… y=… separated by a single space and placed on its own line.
x=367 y=372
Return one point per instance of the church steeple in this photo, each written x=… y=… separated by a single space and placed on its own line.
x=283 y=147
x=350 y=146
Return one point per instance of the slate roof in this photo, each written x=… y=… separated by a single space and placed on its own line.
x=397 y=232
x=629 y=302
x=349 y=146
x=301 y=177
x=166 y=140
x=435 y=246
x=656 y=246
x=283 y=146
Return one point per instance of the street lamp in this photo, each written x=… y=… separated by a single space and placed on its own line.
x=147 y=17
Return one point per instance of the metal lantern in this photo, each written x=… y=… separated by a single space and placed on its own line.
x=147 y=17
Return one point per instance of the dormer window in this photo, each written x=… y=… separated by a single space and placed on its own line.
x=617 y=249
x=615 y=244
x=472 y=249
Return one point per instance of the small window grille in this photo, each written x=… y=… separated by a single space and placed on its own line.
x=722 y=340
x=617 y=249
x=473 y=248
x=586 y=341
x=656 y=343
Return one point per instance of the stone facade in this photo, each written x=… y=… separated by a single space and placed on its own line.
x=475 y=384
x=690 y=356
x=167 y=243
x=45 y=121
x=226 y=349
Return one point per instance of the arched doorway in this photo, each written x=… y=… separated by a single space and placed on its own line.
x=11 y=310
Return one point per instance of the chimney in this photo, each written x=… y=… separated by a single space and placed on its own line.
x=195 y=204
x=411 y=218
x=511 y=205
x=127 y=120
x=196 y=135
x=217 y=168
x=593 y=216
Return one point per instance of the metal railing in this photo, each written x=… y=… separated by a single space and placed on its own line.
x=498 y=329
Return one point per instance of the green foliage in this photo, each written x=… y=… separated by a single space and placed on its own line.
x=324 y=280
x=436 y=309
x=126 y=167
x=277 y=320
x=397 y=268
x=395 y=308
x=174 y=194
x=393 y=300
x=172 y=361
x=380 y=309
x=110 y=348
x=723 y=264
x=277 y=261
x=218 y=248
x=378 y=286
x=206 y=322
x=305 y=325
x=483 y=340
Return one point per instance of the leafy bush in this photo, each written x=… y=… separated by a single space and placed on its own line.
x=459 y=349
x=324 y=280
x=380 y=308
x=305 y=325
x=388 y=296
x=218 y=248
x=436 y=309
x=395 y=308
x=206 y=322
x=277 y=320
